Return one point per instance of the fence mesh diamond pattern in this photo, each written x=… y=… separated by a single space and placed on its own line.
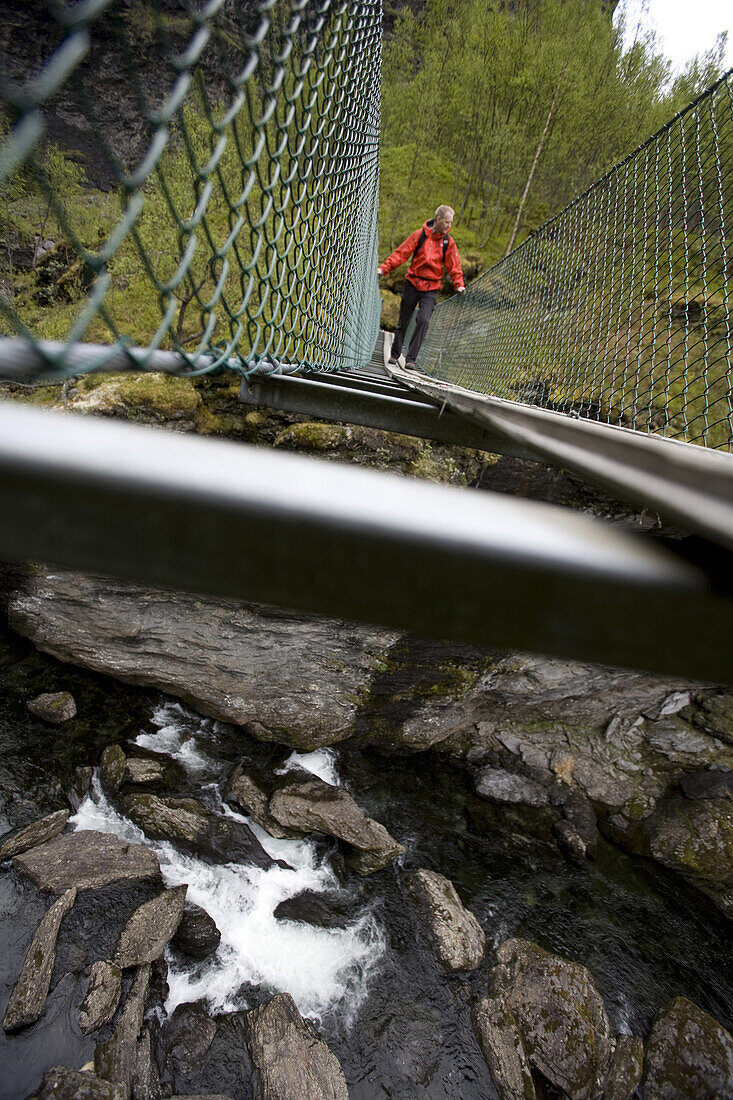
x=619 y=308
x=233 y=151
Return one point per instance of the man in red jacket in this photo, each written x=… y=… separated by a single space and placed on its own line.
x=430 y=247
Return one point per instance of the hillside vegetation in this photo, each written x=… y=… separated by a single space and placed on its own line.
x=469 y=90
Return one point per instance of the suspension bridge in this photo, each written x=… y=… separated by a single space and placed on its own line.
x=247 y=192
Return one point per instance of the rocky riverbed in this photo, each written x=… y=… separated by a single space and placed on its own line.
x=249 y=853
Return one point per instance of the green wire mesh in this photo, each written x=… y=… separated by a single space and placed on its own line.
x=618 y=309
x=234 y=147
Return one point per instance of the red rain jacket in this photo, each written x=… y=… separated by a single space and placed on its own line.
x=426 y=270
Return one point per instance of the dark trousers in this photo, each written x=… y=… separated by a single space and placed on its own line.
x=425 y=301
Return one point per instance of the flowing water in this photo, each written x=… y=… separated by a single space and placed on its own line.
x=399 y=1024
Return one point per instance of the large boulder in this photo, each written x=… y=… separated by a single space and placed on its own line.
x=289 y=1059
x=28 y=995
x=695 y=836
x=55 y=707
x=248 y=795
x=500 y=1040
x=117 y=1059
x=314 y=806
x=627 y=1064
x=187 y=1036
x=454 y=933
x=102 y=996
x=38 y=832
x=689 y=1056
x=150 y=928
x=560 y=1014
x=197 y=935
x=196 y=648
x=188 y=821
x=62 y=1083
x=86 y=860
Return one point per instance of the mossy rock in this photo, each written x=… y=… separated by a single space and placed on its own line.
x=148 y=398
x=694 y=837
x=313 y=436
x=689 y=1056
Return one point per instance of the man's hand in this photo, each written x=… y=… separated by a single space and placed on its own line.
x=380 y=271
x=461 y=290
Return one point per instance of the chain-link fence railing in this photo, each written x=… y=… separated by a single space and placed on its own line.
x=619 y=308
x=198 y=178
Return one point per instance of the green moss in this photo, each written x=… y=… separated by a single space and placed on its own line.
x=312 y=436
x=152 y=396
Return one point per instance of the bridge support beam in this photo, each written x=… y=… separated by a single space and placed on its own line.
x=229 y=520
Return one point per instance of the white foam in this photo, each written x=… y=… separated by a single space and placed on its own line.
x=321 y=762
x=175 y=738
x=323 y=969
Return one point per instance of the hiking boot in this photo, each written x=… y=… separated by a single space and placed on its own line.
x=392 y=362
x=410 y=364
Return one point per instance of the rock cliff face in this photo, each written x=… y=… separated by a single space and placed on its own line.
x=647 y=759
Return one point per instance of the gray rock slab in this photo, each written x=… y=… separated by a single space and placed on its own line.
x=116 y=1059
x=62 y=1083
x=87 y=860
x=187 y=1036
x=112 y=768
x=289 y=1059
x=249 y=796
x=145 y=1080
x=314 y=806
x=28 y=996
x=560 y=1015
x=188 y=821
x=626 y=1068
x=502 y=1047
x=499 y=785
x=689 y=1056
x=454 y=933
x=144 y=770
x=150 y=928
x=102 y=996
x=55 y=707
x=22 y=840
x=197 y=648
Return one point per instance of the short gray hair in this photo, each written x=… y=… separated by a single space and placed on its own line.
x=443 y=210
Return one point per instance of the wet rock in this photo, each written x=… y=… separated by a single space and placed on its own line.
x=676 y=739
x=145 y=1080
x=626 y=1067
x=689 y=1056
x=696 y=838
x=580 y=815
x=188 y=821
x=715 y=714
x=312 y=908
x=87 y=860
x=116 y=1059
x=144 y=770
x=560 y=1015
x=455 y=934
x=28 y=995
x=102 y=996
x=288 y=1057
x=570 y=841
x=55 y=707
x=499 y=785
x=502 y=1047
x=62 y=1083
x=197 y=935
x=22 y=840
x=149 y=929
x=112 y=768
x=187 y=1036
x=314 y=806
x=196 y=647
x=80 y=787
x=711 y=783
x=249 y=796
